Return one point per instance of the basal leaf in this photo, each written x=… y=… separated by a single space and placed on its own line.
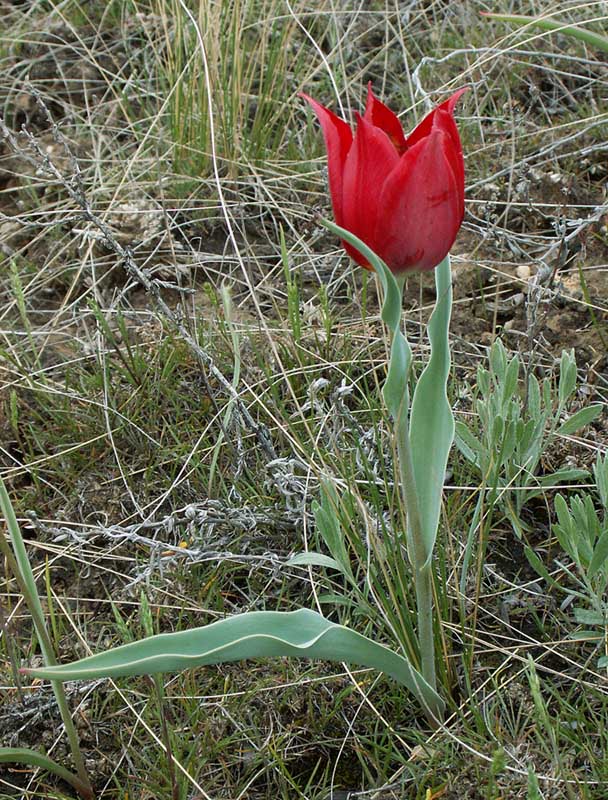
x=259 y=634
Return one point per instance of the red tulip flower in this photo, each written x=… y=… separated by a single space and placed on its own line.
x=403 y=197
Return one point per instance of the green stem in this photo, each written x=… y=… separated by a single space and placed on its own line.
x=423 y=576
x=20 y=566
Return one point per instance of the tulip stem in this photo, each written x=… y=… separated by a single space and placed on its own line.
x=423 y=578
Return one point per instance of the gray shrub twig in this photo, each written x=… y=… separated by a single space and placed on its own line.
x=23 y=715
x=197 y=533
x=540 y=286
x=74 y=186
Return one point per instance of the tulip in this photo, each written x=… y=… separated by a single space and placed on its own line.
x=403 y=197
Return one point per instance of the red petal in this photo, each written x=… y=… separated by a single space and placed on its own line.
x=370 y=160
x=424 y=128
x=445 y=122
x=382 y=117
x=420 y=206
x=338 y=140
x=442 y=118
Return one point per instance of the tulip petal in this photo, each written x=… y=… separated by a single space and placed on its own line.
x=382 y=117
x=370 y=161
x=445 y=121
x=420 y=206
x=442 y=118
x=423 y=129
x=338 y=140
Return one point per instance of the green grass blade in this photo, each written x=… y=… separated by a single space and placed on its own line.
x=584 y=35
x=20 y=562
x=23 y=562
x=22 y=755
x=432 y=420
x=260 y=634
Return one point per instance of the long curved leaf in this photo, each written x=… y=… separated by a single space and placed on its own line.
x=395 y=389
x=432 y=420
x=301 y=633
x=551 y=24
x=22 y=755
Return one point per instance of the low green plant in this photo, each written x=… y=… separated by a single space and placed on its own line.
x=582 y=533
x=328 y=525
x=515 y=429
x=221 y=98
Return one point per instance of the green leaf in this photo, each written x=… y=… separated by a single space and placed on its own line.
x=580 y=419
x=259 y=634
x=534 y=404
x=565 y=475
x=22 y=755
x=329 y=528
x=432 y=420
x=567 y=377
x=586 y=616
x=537 y=565
x=498 y=360
x=312 y=559
x=584 y=35
x=562 y=511
x=600 y=554
x=395 y=391
x=483 y=381
x=469 y=446
x=391 y=310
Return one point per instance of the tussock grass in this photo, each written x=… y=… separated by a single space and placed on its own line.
x=138 y=457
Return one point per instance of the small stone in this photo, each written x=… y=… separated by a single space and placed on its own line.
x=523 y=272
